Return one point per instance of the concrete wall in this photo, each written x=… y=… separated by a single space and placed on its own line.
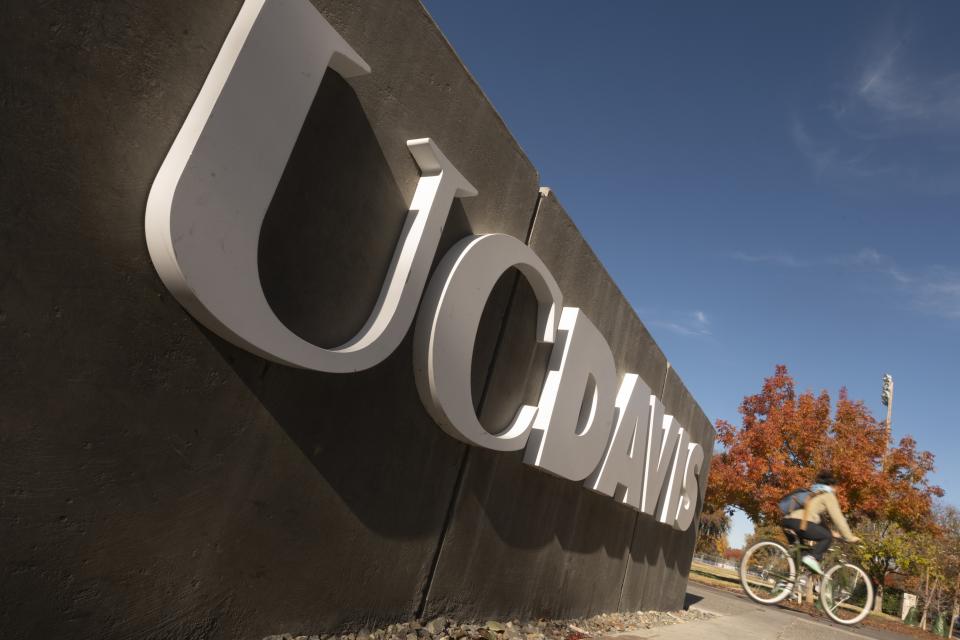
x=158 y=482
x=530 y=544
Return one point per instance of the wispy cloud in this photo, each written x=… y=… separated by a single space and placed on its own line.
x=833 y=160
x=900 y=94
x=873 y=260
x=782 y=259
x=894 y=123
x=934 y=290
x=939 y=293
x=690 y=323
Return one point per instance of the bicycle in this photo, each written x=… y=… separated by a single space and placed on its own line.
x=768 y=574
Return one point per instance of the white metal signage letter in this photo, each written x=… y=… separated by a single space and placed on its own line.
x=620 y=474
x=209 y=199
x=689 y=494
x=663 y=432
x=447 y=329
x=203 y=220
x=672 y=492
x=575 y=412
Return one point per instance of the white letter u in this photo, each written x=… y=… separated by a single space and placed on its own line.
x=209 y=199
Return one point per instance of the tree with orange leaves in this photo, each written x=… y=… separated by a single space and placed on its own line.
x=787 y=437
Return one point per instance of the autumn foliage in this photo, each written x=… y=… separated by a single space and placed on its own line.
x=786 y=437
x=733 y=554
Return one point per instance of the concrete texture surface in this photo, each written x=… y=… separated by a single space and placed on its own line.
x=657 y=577
x=159 y=482
x=156 y=478
x=526 y=544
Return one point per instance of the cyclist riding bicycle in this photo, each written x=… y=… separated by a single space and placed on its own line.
x=805 y=521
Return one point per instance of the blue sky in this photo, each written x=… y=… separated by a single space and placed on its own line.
x=767 y=183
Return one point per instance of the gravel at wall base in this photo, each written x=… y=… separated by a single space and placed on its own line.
x=576 y=629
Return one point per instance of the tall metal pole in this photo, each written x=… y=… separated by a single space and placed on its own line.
x=887 y=398
x=889 y=415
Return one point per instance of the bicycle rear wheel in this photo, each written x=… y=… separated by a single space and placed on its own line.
x=846 y=593
x=767 y=572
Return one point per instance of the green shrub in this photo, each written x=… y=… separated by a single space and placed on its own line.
x=891 y=601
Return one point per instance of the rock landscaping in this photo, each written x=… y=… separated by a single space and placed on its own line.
x=604 y=624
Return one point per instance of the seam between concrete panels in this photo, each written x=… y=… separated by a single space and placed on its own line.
x=448 y=518
x=541 y=194
x=626 y=561
x=663 y=383
x=636 y=521
x=465 y=459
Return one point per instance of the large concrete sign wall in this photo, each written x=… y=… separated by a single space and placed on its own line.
x=157 y=481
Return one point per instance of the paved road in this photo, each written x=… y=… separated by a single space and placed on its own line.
x=741 y=619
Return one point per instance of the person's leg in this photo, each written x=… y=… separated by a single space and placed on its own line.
x=816 y=533
x=793 y=524
x=820 y=535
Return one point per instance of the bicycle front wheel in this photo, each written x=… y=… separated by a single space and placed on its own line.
x=767 y=572
x=846 y=593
